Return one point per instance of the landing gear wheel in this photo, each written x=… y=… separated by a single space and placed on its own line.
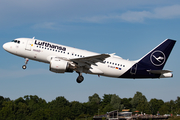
x=80 y=79
x=26 y=61
x=24 y=67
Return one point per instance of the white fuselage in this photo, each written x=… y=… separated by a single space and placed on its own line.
x=42 y=51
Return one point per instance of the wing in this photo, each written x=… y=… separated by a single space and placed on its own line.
x=91 y=60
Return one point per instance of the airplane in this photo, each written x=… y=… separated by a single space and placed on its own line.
x=63 y=59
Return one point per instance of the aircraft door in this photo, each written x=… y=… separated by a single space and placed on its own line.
x=29 y=45
x=133 y=69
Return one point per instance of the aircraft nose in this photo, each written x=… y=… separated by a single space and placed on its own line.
x=5 y=46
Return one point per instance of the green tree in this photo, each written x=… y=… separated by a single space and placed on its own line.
x=95 y=98
x=107 y=108
x=164 y=109
x=60 y=108
x=115 y=102
x=154 y=105
x=106 y=99
x=172 y=105
x=105 y=104
x=126 y=103
x=177 y=105
x=137 y=98
x=76 y=109
x=143 y=106
x=21 y=111
x=7 y=112
x=35 y=106
x=2 y=99
x=41 y=114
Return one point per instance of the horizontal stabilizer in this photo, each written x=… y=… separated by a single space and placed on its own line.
x=159 y=71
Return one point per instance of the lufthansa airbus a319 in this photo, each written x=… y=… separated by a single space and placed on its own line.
x=63 y=59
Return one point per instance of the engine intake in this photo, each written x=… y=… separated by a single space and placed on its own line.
x=60 y=66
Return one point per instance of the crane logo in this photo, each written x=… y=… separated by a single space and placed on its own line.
x=158 y=58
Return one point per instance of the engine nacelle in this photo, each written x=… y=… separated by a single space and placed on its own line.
x=60 y=66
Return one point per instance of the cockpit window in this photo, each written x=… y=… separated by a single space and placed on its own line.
x=16 y=41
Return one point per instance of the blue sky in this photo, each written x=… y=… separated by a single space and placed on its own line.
x=126 y=27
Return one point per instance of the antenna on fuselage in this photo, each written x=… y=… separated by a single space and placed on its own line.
x=33 y=37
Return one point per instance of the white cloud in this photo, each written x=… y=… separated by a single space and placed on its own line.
x=95 y=19
x=40 y=12
x=44 y=25
x=131 y=16
x=168 y=12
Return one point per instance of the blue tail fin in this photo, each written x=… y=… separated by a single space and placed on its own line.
x=156 y=58
x=151 y=65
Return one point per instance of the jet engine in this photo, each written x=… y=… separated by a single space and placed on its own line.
x=60 y=66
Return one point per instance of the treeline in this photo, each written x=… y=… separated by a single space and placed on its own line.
x=34 y=108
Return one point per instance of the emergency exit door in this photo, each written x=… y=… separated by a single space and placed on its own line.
x=29 y=45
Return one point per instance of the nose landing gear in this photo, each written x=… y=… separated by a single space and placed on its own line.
x=26 y=61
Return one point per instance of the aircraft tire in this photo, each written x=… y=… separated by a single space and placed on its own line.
x=24 y=67
x=80 y=79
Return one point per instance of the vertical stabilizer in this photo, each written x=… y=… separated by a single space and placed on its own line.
x=156 y=58
x=151 y=65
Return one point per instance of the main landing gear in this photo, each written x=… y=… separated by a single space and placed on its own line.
x=26 y=61
x=80 y=78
